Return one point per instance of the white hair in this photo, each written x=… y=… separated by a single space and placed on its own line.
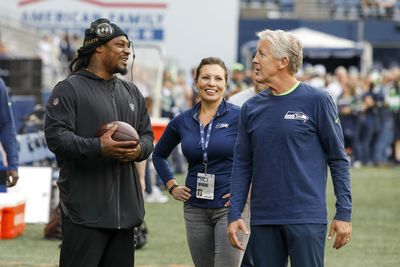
x=284 y=44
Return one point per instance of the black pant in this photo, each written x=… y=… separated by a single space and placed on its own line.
x=247 y=260
x=92 y=247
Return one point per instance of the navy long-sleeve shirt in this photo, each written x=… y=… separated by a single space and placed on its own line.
x=285 y=144
x=7 y=129
x=185 y=129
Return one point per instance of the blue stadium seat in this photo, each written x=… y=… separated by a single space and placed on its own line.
x=22 y=106
x=287 y=5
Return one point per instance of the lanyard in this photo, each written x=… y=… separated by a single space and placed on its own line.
x=205 y=141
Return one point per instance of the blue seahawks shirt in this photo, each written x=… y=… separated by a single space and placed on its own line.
x=184 y=129
x=285 y=143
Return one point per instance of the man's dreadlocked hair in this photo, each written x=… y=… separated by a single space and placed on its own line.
x=82 y=59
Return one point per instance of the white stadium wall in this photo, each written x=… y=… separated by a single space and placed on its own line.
x=187 y=30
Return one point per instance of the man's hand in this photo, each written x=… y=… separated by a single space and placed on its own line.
x=131 y=156
x=233 y=228
x=123 y=150
x=12 y=178
x=342 y=230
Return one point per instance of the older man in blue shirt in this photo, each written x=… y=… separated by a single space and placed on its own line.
x=287 y=138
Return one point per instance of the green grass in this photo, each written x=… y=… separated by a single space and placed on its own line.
x=376 y=220
x=375 y=242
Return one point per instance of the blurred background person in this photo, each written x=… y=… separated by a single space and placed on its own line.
x=236 y=82
x=349 y=105
x=335 y=88
x=239 y=99
x=369 y=121
x=8 y=142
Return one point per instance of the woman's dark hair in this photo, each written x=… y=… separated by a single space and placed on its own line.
x=82 y=59
x=211 y=61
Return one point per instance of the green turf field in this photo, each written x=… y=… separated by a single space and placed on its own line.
x=375 y=243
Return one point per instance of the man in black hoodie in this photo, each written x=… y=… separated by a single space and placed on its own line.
x=100 y=193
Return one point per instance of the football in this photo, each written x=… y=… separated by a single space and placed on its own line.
x=124 y=132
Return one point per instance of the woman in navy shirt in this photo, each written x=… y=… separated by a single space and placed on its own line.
x=207 y=133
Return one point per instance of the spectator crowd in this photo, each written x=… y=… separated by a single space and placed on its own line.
x=368 y=106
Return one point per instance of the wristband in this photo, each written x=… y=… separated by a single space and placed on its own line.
x=172 y=188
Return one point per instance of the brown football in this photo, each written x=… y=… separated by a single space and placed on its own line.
x=124 y=132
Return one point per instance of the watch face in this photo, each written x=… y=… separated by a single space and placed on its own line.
x=104 y=30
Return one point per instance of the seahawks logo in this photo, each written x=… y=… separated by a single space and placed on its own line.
x=296 y=115
x=222 y=125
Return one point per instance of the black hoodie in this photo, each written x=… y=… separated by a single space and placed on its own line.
x=96 y=191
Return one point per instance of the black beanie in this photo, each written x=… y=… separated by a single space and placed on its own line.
x=100 y=32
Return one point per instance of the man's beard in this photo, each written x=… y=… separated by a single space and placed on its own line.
x=122 y=71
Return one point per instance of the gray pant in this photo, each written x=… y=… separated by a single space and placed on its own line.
x=206 y=232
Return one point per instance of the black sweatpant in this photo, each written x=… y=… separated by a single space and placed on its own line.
x=92 y=247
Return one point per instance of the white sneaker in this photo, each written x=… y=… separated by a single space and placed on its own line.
x=156 y=196
x=357 y=164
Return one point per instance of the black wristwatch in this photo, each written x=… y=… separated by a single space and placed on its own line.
x=172 y=188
